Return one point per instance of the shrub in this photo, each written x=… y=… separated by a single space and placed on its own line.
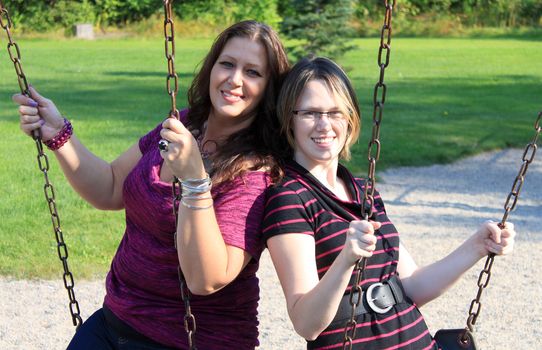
x=319 y=27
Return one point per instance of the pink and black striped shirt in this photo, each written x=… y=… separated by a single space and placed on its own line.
x=302 y=205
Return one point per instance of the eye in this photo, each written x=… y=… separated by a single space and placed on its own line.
x=308 y=114
x=226 y=64
x=253 y=73
x=337 y=115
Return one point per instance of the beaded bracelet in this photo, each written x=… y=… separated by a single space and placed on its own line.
x=61 y=138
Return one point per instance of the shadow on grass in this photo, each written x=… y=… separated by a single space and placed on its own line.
x=428 y=121
x=139 y=74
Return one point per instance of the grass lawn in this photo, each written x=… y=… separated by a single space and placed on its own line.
x=446 y=98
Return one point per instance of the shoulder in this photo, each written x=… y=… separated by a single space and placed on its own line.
x=289 y=183
x=360 y=182
x=248 y=184
x=289 y=190
x=150 y=139
x=253 y=180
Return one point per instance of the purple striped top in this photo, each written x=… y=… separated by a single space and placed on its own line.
x=143 y=287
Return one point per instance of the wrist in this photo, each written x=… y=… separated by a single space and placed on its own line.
x=194 y=174
x=61 y=137
x=475 y=247
x=346 y=261
x=196 y=187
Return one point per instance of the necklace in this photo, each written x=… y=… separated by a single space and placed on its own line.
x=207 y=148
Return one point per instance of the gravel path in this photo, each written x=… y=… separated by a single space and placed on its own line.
x=434 y=208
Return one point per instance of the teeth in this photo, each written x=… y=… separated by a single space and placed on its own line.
x=229 y=95
x=323 y=139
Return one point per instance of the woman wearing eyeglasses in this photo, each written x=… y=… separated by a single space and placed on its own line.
x=315 y=235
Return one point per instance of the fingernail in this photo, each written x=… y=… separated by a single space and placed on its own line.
x=33 y=103
x=42 y=122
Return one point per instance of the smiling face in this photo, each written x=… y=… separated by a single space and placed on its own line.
x=238 y=80
x=318 y=141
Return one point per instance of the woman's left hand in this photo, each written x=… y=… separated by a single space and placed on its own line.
x=182 y=154
x=496 y=240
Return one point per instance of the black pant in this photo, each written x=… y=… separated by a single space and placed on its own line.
x=103 y=330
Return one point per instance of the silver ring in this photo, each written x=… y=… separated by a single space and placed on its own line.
x=163 y=145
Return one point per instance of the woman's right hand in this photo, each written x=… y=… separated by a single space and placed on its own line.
x=182 y=155
x=360 y=240
x=37 y=112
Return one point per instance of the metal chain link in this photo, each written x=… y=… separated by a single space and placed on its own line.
x=379 y=98
x=172 y=87
x=43 y=163
x=509 y=205
x=169 y=35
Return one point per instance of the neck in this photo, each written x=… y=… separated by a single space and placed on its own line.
x=219 y=129
x=327 y=175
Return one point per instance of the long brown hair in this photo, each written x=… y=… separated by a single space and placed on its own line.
x=259 y=145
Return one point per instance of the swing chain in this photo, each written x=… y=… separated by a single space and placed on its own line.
x=169 y=35
x=379 y=98
x=13 y=49
x=43 y=163
x=513 y=196
x=172 y=86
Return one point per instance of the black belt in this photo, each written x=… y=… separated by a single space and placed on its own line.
x=379 y=297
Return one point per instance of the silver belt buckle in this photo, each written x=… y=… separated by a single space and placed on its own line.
x=371 y=300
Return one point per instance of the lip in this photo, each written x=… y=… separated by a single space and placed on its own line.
x=231 y=97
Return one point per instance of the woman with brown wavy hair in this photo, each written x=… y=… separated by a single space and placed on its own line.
x=222 y=150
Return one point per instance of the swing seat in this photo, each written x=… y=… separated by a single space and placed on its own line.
x=455 y=339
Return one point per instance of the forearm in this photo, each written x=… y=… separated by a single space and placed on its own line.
x=89 y=175
x=203 y=254
x=431 y=281
x=312 y=312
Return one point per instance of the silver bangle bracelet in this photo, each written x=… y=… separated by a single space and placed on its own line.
x=196 y=184
x=195 y=207
x=197 y=197
x=200 y=188
x=198 y=181
x=189 y=193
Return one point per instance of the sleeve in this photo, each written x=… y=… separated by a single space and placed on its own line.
x=285 y=212
x=379 y=202
x=239 y=209
x=150 y=140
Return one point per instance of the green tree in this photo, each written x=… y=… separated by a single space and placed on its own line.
x=118 y=12
x=226 y=12
x=319 y=27
x=50 y=14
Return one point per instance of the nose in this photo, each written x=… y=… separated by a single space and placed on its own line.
x=323 y=122
x=236 y=77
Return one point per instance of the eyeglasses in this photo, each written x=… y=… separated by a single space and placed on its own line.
x=308 y=115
